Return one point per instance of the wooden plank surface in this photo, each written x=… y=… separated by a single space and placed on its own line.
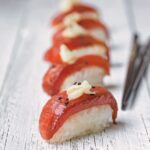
x=22 y=97
x=10 y=25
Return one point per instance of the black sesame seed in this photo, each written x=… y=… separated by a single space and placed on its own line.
x=92 y=94
x=66 y=103
x=86 y=62
x=75 y=83
x=93 y=87
x=52 y=66
x=59 y=98
x=79 y=83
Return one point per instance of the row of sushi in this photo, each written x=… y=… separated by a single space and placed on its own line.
x=80 y=58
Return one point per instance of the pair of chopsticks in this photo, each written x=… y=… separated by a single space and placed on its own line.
x=138 y=64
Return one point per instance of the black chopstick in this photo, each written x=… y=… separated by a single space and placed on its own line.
x=130 y=73
x=141 y=70
x=143 y=62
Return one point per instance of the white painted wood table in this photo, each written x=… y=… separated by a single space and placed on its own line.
x=24 y=37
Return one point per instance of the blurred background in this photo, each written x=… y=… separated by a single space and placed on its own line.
x=27 y=24
x=21 y=18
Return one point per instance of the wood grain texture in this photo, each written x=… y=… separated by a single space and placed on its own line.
x=10 y=25
x=143 y=26
x=22 y=97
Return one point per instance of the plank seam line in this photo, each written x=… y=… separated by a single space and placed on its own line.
x=145 y=128
x=147 y=84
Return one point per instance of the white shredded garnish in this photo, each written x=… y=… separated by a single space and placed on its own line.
x=73 y=17
x=70 y=57
x=77 y=90
x=74 y=30
x=68 y=4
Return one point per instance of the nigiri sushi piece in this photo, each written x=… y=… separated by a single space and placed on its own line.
x=95 y=28
x=67 y=47
x=80 y=110
x=90 y=68
x=83 y=11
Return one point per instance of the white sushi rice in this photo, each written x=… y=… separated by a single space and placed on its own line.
x=99 y=34
x=71 y=56
x=84 y=122
x=74 y=30
x=93 y=75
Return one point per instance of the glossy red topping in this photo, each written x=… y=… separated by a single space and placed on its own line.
x=53 y=54
x=87 y=24
x=91 y=24
x=55 y=76
x=59 y=108
x=75 y=42
x=80 y=8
